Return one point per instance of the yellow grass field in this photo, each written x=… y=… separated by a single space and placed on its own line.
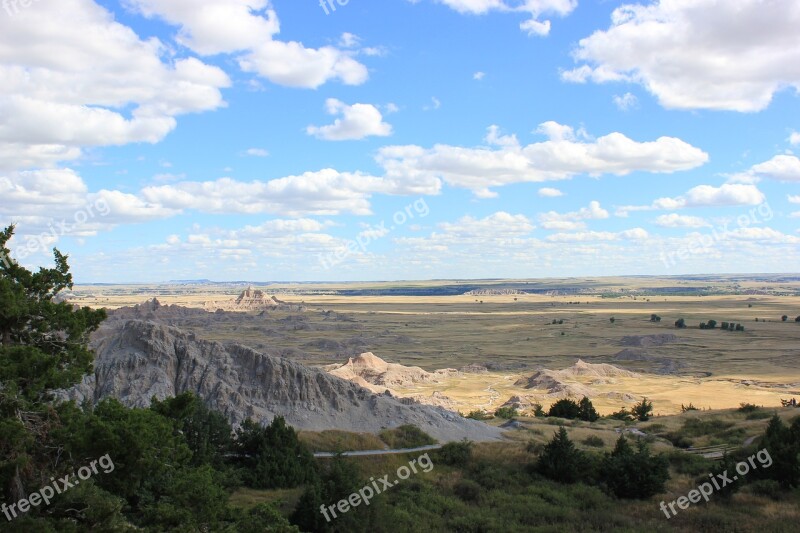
x=513 y=335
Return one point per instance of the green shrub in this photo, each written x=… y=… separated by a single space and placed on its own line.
x=561 y=461
x=726 y=466
x=467 y=490
x=634 y=474
x=569 y=409
x=406 y=436
x=768 y=488
x=565 y=408
x=689 y=463
x=783 y=446
x=747 y=408
x=594 y=441
x=479 y=415
x=761 y=414
x=642 y=410
x=698 y=427
x=623 y=414
x=272 y=457
x=506 y=413
x=678 y=440
x=454 y=453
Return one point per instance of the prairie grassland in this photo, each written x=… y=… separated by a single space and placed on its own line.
x=514 y=334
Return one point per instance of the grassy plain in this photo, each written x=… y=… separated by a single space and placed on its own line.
x=426 y=324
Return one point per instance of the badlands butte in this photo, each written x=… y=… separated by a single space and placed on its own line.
x=360 y=357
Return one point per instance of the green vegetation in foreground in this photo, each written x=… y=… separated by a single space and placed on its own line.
x=175 y=464
x=181 y=467
x=406 y=437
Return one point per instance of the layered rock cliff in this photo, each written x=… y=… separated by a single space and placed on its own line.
x=137 y=360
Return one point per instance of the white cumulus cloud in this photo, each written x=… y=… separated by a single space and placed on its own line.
x=674 y=220
x=247 y=28
x=562 y=156
x=74 y=77
x=533 y=8
x=625 y=102
x=574 y=220
x=727 y=195
x=781 y=167
x=698 y=54
x=357 y=121
x=550 y=192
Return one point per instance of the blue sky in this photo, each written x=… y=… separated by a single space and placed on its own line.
x=252 y=140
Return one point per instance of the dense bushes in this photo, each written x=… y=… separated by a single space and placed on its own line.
x=163 y=466
x=570 y=409
x=565 y=408
x=626 y=472
x=783 y=444
x=561 y=461
x=272 y=457
x=406 y=436
x=506 y=413
x=594 y=441
x=337 y=481
x=634 y=474
x=778 y=467
x=454 y=453
x=623 y=414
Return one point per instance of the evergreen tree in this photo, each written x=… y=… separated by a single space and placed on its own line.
x=273 y=456
x=634 y=474
x=725 y=467
x=43 y=341
x=338 y=480
x=43 y=347
x=783 y=445
x=586 y=410
x=565 y=408
x=642 y=410
x=208 y=433
x=561 y=460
